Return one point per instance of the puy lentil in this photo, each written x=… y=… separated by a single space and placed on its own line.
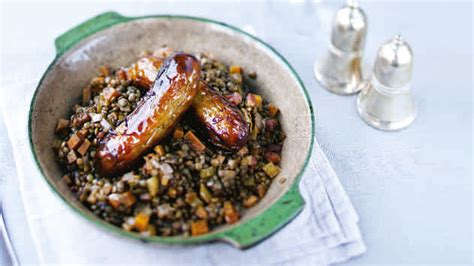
x=176 y=186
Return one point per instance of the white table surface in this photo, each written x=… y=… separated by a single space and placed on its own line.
x=412 y=189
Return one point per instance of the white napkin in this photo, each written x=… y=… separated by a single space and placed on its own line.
x=325 y=232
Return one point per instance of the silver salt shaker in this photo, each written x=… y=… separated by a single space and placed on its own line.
x=341 y=69
x=386 y=101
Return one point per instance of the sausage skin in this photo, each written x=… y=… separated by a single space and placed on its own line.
x=221 y=120
x=143 y=72
x=156 y=115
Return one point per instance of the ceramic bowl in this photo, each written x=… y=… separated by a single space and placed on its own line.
x=116 y=40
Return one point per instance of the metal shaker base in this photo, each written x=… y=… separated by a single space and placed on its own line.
x=380 y=124
x=334 y=86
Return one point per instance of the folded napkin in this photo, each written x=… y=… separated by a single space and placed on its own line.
x=325 y=232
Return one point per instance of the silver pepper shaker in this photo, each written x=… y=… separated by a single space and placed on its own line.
x=386 y=101
x=341 y=69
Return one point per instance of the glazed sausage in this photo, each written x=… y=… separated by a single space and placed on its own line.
x=155 y=116
x=143 y=72
x=222 y=121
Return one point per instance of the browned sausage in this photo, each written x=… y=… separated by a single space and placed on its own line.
x=223 y=121
x=155 y=116
x=143 y=72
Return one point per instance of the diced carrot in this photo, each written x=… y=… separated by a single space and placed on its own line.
x=194 y=141
x=250 y=201
x=235 y=69
x=272 y=110
x=84 y=147
x=128 y=199
x=61 y=126
x=74 y=141
x=199 y=227
x=178 y=133
x=230 y=214
x=141 y=222
x=159 y=150
x=201 y=212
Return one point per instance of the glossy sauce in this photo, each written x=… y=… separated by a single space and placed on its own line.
x=155 y=116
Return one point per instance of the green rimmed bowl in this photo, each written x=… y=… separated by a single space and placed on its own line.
x=116 y=40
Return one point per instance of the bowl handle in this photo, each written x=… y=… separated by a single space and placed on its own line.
x=263 y=225
x=83 y=30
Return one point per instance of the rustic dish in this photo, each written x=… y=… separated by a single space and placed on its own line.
x=83 y=49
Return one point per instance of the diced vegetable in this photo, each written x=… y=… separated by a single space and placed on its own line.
x=178 y=133
x=192 y=199
x=230 y=214
x=153 y=185
x=271 y=170
x=61 y=126
x=250 y=201
x=199 y=227
x=141 y=222
x=71 y=157
x=207 y=172
x=272 y=157
x=272 y=110
x=204 y=193
x=128 y=199
x=194 y=141
x=159 y=150
x=114 y=200
x=74 y=141
x=201 y=212
x=84 y=147
x=235 y=69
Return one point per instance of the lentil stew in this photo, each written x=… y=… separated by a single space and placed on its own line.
x=186 y=184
